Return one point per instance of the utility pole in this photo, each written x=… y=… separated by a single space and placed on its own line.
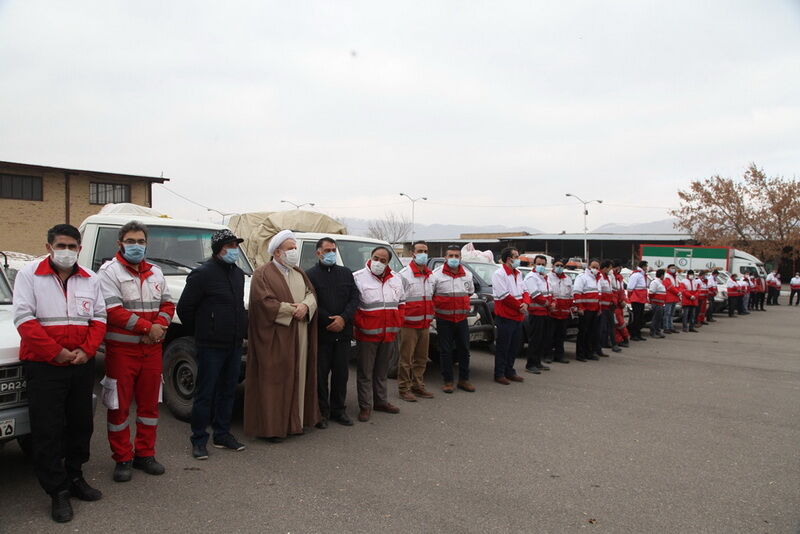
x=585 y=224
x=413 y=205
x=298 y=206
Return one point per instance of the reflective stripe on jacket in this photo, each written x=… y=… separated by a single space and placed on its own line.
x=539 y=291
x=451 y=293
x=509 y=293
x=585 y=293
x=380 y=306
x=418 y=287
x=561 y=290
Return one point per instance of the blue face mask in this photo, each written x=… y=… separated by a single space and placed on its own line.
x=540 y=269
x=453 y=263
x=133 y=253
x=231 y=255
x=559 y=270
x=329 y=258
x=421 y=259
x=515 y=263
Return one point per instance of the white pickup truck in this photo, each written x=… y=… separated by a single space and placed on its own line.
x=14 y=422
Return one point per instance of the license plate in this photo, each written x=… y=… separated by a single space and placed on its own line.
x=7 y=428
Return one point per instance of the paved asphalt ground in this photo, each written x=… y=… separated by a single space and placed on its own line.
x=695 y=433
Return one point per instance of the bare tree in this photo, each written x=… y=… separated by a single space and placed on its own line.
x=757 y=213
x=393 y=228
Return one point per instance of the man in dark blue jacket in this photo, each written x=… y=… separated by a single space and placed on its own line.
x=212 y=305
x=337 y=300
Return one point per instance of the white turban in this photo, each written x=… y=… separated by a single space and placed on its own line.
x=278 y=240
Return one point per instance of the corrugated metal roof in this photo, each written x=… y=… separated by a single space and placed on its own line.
x=644 y=238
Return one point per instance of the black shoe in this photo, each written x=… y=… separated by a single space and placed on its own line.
x=601 y=354
x=199 y=451
x=561 y=360
x=148 y=464
x=692 y=330
x=122 y=472
x=580 y=359
x=275 y=439
x=625 y=344
x=81 y=489
x=543 y=367
x=61 y=511
x=342 y=419
x=592 y=357
x=533 y=370
x=615 y=348
x=228 y=442
x=323 y=424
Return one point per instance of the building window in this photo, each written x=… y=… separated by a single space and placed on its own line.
x=109 y=193
x=20 y=187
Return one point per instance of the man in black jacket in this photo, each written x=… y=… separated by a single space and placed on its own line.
x=337 y=300
x=212 y=305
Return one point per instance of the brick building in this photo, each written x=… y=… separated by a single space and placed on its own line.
x=33 y=198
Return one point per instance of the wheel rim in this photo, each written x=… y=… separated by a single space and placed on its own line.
x=184 y=379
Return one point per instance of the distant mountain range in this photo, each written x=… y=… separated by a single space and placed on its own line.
x=439 y=231
x=664 y=226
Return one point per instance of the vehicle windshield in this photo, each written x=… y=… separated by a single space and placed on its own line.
x=722 y=278
x=176 y=250
x=355 y=254
x=5 y=290
x=484 y=270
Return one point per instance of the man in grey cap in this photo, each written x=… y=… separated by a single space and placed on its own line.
x=212 y=306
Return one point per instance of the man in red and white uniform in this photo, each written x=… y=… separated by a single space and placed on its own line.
x=621 y=333
x=560 y=309
x=657 y=294
x=702 y=298
x=511 y=298
x=607 y=304
x=414 y=335
x=378 y=320
x=760 y=293
x=60 y=315
x=586 y=296
x=690 y=291
x=139 y=311
x=794 y=285
x=744 y=293
x=637 y=293
x=672 y=299
x=773 y=287
x=538 y=288
x=711 y=287
x=452 y=289
x=734 y=294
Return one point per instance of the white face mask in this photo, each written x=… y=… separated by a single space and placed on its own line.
x=65 y=259
x=291 y=257
x=593 y=271
x=377 y=267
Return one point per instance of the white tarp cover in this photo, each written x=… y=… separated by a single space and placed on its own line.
x=126 y=208
x=470 y=253
x=257 y=228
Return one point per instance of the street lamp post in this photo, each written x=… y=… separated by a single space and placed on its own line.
x=585 y=224
x=413 y=205
x=298 y=206
x=223 y=213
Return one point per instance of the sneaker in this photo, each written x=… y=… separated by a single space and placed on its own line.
x=228 y=442
x=80 y=489
x=122 y=471
x=61 y=510
x=149 y=465
x=199 y=451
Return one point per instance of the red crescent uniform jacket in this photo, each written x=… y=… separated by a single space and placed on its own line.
x=380 y=306
x=509 y=293
x=658 y=293
x=733 y=288
x=539 y=290
x=451 y=293
x=637 y=286
x=585 y=293
x=418 y=288
x=50 y=318
x=673 y=289
x=561 y=290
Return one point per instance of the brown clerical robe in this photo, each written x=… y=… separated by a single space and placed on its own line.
x=280 y=394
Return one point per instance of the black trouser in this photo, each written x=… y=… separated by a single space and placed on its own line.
x=509 y=337
x=733 y=305
x=606 y=328
x=762 y=296
x=637 y=321
x=795 y=292
x=558 y=331
x=710 y=309
x=453 y=339
x=539 y=340
x=60 y=410
x=772 y=296
x=332 y=360
x=218 y=371
x=588 y=334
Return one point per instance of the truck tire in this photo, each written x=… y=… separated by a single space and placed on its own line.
x=180 y=374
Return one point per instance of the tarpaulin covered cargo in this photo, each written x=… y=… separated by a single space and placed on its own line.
x=257 y=228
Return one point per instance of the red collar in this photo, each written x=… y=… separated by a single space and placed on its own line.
x=457 y=274
x=144 y=267
x=387 y=273
x=45 y=268
x=417 y=270
x=509 y=270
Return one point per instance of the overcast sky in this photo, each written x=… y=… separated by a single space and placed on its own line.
x=346 y=104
